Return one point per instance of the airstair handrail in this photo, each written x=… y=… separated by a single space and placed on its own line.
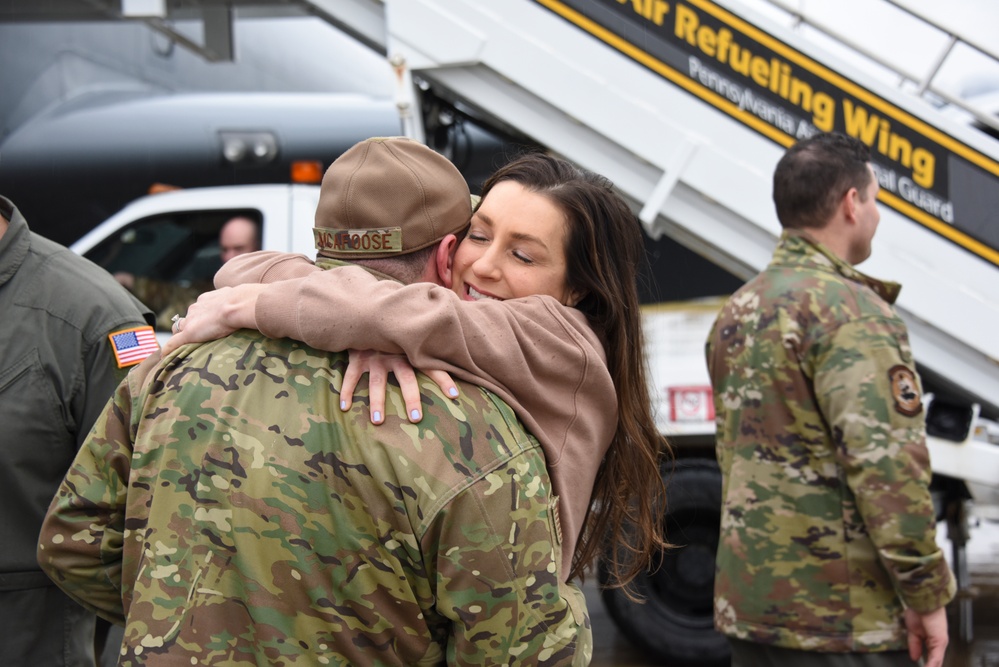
x=923 y=82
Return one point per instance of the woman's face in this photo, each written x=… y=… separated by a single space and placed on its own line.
x=515 y=247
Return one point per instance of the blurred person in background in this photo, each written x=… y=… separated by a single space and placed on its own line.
x=239 y=235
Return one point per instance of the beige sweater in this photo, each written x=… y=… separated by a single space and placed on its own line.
x=539 y=356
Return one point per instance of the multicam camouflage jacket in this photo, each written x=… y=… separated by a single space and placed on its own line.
x=827 y=525
x=227 y=512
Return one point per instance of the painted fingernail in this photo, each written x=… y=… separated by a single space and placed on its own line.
x=343 y=405
x=377 y=416
x=453 y=391
x=414 y=415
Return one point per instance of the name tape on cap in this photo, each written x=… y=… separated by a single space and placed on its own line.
x=386 y=239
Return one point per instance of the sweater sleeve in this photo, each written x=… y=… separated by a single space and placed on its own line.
x=265 y=266
x=495 y=344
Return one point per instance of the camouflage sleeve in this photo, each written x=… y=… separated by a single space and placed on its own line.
x=497 y=574
x=80 y=544
x=870 y=395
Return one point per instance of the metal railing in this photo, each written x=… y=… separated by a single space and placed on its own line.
x=922 y=84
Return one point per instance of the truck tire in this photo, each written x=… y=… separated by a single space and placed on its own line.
x=675 y=622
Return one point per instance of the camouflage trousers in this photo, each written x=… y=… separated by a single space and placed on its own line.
x=750 y=654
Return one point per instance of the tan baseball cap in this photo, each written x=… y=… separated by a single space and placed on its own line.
x=389 y=196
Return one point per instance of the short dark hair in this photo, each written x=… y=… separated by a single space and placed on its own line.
x=814 y=174
x=407 y=269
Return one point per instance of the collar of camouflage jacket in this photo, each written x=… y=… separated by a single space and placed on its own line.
x=327 y=263
x=797 y=246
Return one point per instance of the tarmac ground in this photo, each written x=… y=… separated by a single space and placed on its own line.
x=612 y=649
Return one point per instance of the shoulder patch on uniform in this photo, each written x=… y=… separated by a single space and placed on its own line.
x=130 y=346
x=904 y=390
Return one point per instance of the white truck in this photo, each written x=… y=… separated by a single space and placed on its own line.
x=172 y=237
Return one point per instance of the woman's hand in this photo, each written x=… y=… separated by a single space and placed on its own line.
x=378 y=365
x=216 y=314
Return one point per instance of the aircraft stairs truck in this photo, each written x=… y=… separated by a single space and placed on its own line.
x=687 y=106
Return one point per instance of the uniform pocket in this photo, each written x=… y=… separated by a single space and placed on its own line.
x=36 y=449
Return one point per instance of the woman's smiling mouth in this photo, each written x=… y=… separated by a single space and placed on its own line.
x=476 y=295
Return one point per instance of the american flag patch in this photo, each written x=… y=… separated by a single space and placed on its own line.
x=133 y=345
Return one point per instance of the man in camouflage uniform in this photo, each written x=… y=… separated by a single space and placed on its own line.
x=227 y=512
x=827 y=553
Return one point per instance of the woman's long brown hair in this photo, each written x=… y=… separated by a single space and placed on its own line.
x=604 y=250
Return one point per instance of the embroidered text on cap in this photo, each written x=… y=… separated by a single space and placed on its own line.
x=386 y=239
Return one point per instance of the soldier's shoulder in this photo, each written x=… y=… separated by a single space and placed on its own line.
x=77 y=292
x=826 y=295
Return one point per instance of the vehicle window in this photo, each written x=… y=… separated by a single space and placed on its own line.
x=167 y=260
